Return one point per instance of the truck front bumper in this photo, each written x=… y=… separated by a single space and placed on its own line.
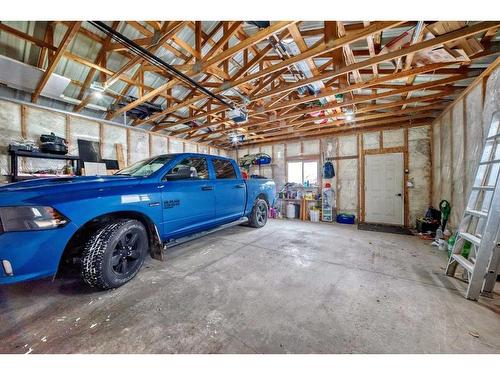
x=32 y=254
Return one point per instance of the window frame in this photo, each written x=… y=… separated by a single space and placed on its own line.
x=214 y=159
x=303 y=161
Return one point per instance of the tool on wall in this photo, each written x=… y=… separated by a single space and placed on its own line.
x=480 y=224
x=328 y=170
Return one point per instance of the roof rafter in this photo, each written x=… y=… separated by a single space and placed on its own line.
x=310 y=53
x=215 y=60
x=54 y=60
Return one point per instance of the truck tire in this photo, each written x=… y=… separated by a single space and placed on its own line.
x=258 y=217
x=114 y=254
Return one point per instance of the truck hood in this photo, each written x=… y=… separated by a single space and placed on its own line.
x=60 y=188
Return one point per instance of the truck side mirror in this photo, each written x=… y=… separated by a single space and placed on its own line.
x=181 y=174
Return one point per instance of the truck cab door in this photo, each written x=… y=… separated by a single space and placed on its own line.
x=230 y=191
x=188 y=198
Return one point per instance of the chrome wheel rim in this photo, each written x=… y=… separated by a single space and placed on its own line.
x=261 y=214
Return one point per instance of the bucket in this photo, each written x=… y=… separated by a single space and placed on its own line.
x=290 y=211
x=314 y=215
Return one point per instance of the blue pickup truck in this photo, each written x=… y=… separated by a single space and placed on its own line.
x=108 y=225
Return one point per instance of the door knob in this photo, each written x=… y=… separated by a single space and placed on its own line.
x=399 y=194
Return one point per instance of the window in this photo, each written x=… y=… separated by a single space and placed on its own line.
x=295 y=172
x=302 y=171
x=311 y=172
x=224 y=169
x=197 y=166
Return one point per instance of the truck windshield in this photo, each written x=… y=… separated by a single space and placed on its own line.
x=146 y=167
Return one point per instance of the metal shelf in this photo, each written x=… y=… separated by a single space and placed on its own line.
x=16 y=154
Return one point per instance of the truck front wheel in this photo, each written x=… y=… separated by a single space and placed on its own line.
x=114 y=254
x=258 y=217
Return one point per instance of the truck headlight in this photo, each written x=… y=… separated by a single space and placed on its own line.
x=27 y=218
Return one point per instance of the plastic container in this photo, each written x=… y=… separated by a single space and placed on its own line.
x=451 y=242
x=290 y=211
x=273 y=213
x=346 y=219
x=314 y=215
x=466 y=249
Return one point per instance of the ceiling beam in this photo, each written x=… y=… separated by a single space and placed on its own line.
x=257 y=37
x=399 y=75
x=356 y=100
x=54 y=61
x=455 y=35
x=27 y=37
x=100 y=60
x=309 y=123
x=139 y=27
x=317 y=130
x=337 y=43
x=344 y=130
x=228 y=34
x=168 y=30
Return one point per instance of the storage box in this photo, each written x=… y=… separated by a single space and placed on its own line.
x=425 y=225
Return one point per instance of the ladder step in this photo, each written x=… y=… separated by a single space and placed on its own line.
x=463 y=262
x=493 y=137
x=470 y=237
x=488 y=188
x=494 y=161
x=476 y=213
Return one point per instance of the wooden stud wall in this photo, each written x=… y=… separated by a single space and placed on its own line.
x=481 y=80
x=361 y=185
x=24 y=109
x=361 y=152
x=406 y=200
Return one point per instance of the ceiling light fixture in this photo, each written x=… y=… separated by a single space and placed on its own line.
x=349 y=115
x=97 y=87
x=236 y=138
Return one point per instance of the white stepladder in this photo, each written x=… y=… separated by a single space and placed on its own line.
x=480 y=224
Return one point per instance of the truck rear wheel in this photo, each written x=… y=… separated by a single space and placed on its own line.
x=258 y=217
x=114 y=254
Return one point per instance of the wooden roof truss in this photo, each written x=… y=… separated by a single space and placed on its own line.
x=295 y=82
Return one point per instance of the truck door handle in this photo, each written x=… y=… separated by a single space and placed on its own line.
x=398 y=195
x=207 y=187
x=239 y=186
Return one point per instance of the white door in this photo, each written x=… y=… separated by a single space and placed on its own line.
x=384 y=188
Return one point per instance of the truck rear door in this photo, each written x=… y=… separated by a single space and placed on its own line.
x=230 y=190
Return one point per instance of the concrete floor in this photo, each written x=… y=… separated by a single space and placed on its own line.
x=290 y=287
